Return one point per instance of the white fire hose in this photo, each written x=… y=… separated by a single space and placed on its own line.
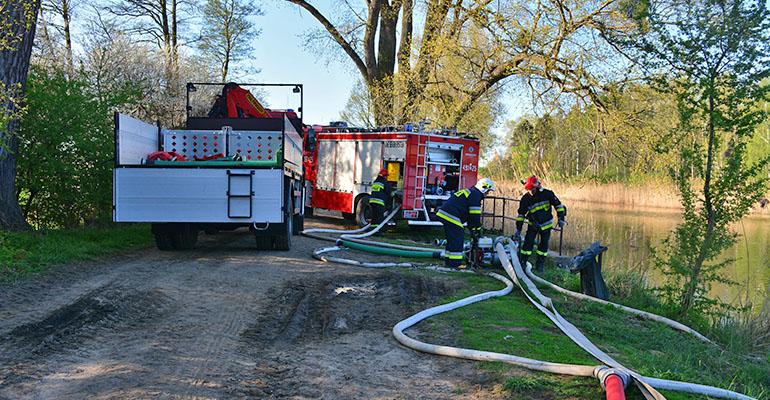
x=517 y=275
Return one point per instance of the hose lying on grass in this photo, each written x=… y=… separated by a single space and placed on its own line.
x=643 y=314
x=610 y=374
x=546 y=306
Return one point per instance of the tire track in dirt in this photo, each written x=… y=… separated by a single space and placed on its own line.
x=223 y=321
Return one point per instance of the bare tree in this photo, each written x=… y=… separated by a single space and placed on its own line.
x=17 y=33
x=156 y=21
x=54 y=44
x=62 y=9
x=373 y=54
x=227 y=32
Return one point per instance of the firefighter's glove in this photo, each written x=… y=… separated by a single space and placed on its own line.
x=562 y=223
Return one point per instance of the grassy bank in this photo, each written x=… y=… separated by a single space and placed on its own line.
x=512 y=325
x=26 y=253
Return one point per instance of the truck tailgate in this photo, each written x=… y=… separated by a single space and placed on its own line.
x=197 y=195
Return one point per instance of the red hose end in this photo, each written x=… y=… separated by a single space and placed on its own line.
x=614 y=388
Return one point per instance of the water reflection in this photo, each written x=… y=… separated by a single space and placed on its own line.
x=629 y=236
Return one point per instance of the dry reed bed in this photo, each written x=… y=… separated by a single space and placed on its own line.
x=652 y=196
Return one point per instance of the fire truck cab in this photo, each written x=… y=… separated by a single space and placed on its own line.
x=425 y=168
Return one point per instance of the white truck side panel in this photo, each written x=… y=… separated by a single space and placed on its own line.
x=195 y=195
x=293 y=151
x=326 y=159
x=368 y=162
x=136 y=139
x=346 y=163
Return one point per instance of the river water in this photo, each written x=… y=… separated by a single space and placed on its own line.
x=630 y=235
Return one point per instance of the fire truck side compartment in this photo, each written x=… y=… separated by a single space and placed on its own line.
x=423 y=160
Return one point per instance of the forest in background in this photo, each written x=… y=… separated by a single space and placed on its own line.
x=631 y=142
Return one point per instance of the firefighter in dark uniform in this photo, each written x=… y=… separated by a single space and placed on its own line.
x=380 y=197
x=461 y=207
x=535 y=207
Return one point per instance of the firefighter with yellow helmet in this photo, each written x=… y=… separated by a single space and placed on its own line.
x=380 y=198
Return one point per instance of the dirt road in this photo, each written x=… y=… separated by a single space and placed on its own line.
x=223 y=321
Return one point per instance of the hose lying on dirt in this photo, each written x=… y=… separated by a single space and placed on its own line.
x=355 y=241
x=643 y=314
x=348 y=233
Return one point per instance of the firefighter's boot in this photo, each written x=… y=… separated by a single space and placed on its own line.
x=540 y=263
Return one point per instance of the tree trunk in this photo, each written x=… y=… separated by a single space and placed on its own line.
x=708 y=205
x=386 y=63
x=434 y=21
x=174 y=38
x=225 y=67
x=65 y=13
x=405 y=46
x=17 y=27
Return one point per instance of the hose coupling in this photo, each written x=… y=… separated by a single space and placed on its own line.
x=603 y=372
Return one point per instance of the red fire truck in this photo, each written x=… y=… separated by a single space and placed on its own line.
x=425 y=167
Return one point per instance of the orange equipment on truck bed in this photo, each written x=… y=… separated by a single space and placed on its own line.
x=237 y=102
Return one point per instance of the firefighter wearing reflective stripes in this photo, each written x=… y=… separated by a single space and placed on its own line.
x=380 y=197
x=464 y=206
x=535 y=208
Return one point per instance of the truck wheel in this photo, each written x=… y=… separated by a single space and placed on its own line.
x=282 y=241
x=349 y=216
x=264 y=242
x=363 y=211
x=308 y=211
x=299 y=224
x=163 y=242
x=185 y=238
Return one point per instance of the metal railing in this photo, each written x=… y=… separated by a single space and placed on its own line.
x=502 y=217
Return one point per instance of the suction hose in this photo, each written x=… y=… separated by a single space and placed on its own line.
x=370 y=248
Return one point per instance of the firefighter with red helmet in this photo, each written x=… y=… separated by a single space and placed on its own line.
x=380 y=197
x=461 y=207
x=535 y=207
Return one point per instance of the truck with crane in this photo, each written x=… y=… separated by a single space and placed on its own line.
x=237 y=165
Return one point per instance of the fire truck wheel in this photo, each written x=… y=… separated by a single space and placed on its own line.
x=363 y=211
x=163 y=242
x=349 y=216
x=308 y=211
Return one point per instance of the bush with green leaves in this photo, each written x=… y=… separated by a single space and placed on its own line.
x=711 y=55
x=66 y=149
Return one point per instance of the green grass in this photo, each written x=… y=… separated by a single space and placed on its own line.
x=26 y=253
x=512 y=325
